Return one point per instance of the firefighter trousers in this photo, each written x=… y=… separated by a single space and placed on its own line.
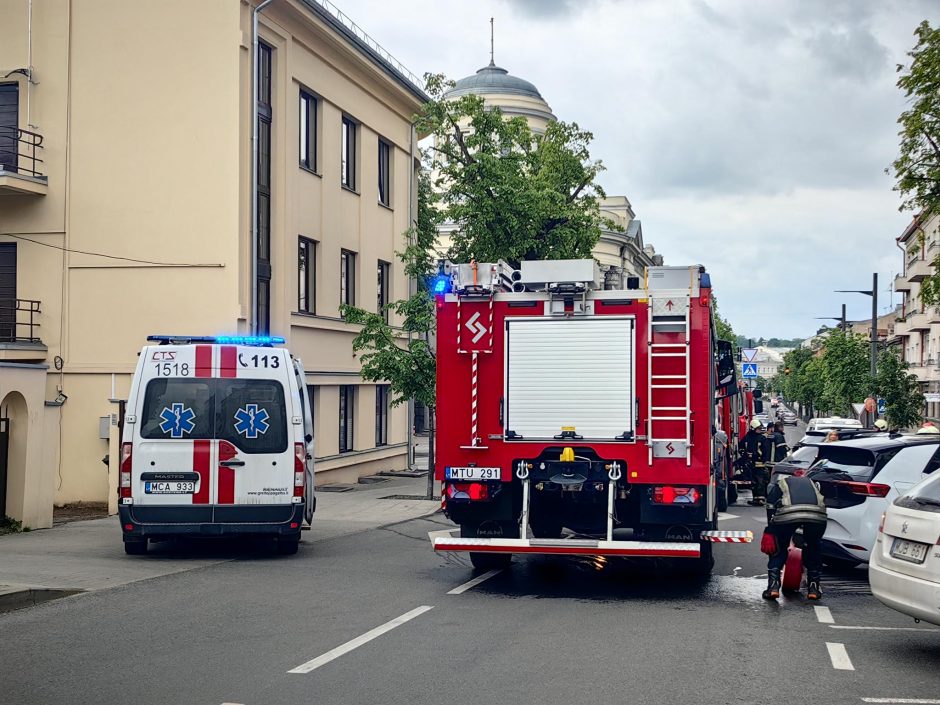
x=812 y=555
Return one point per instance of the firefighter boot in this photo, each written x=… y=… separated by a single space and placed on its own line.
x=773 y=585
x=813 y=591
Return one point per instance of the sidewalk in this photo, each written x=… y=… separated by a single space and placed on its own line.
x=88 y=555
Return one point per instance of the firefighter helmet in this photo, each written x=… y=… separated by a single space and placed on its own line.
x=755 y=424
x=881 y=425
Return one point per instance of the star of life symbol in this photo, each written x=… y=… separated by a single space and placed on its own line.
x=177 y=420
x=251 y=421
x=475 y=327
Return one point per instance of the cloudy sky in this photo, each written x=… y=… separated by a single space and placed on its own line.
x=750 y=137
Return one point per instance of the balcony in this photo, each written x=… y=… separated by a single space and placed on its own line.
x=917 y=321
x=933 y=314
x=901 y=283
x=19 y=331
x=21 y=163
x=919 y=269
x=928 y=372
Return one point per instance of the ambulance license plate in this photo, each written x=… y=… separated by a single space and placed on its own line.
x=472 y=473
x=169 y=487
x=912 y=551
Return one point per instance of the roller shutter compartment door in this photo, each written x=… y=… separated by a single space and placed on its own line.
x=569 y=373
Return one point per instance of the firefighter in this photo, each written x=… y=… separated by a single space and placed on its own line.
x=753 y=457
x=881 y=425
x=780 y=447
x=793 y=503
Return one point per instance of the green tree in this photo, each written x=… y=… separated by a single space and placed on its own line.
x=900 y=390
x=846 y=372
x=514 y=194
x=722 y=327
x=917 y=168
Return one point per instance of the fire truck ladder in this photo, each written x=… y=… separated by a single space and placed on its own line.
x=669 y=310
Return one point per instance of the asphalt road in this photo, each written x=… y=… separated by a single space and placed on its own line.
x=548 y=630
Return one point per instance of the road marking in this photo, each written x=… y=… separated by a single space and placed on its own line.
x=823 y=615
x=912 y=701
x=359 y=641
x=473 y=583
x=839 y=657
x=724 y=515
x=885 y=629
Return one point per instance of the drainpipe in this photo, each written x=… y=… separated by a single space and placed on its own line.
x=411 y=224
x=253 y=226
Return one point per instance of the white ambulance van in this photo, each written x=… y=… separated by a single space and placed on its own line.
x=217 y=441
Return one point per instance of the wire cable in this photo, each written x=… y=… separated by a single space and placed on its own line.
x=101 y=254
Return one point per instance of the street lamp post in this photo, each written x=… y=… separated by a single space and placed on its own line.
x=874 y=331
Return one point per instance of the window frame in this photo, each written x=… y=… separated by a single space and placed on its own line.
x=348 y=146
x=385 y=173
x=381 y=414
x=383 y=286
x=347 y=277
x=307 y=138
x=347 y=415
x=306 y=275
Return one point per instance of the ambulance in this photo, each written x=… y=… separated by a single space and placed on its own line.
x=217 y=440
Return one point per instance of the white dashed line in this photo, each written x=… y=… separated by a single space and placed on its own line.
x=910 y=701
x=359 y=641
x=823 y=615
x=884 y=629
x=722 y=516
x=839 y=657
x=473 y=583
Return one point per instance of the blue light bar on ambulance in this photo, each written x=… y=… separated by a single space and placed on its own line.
x=259 y=340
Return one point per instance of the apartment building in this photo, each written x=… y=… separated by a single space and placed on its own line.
x=917 y=329
x=128 y=188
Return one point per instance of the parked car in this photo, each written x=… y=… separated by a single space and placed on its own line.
x=845 y=434
x=826 y=423
x=788 y=418
x=859 y=479
x=905 y=564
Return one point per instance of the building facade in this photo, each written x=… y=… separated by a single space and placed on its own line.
x=917 y=328
x=138 y=218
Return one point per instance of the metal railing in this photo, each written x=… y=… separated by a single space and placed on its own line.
x=20 y=152
x=360 y=34
x=18 y=321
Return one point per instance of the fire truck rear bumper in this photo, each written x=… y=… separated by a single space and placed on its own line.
x=571 y=547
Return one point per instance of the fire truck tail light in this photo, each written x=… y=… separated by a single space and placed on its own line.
x=473 y=491
x=676 y=495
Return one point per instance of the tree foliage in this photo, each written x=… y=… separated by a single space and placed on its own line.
x=846 y=370
x=900 y=389
x=722 y=327
x=514 y=194
x=917 y=168
x=407 y=365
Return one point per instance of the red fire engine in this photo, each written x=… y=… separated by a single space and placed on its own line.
x=561 y=405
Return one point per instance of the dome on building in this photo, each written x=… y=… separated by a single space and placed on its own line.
x=493 y=79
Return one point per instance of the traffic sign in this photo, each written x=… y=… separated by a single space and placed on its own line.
x=749 y=370
x=882 y=406
x=748 y=354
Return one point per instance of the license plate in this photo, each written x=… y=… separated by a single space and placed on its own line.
x=169 y=487
x=472 y=473
x=912 y=551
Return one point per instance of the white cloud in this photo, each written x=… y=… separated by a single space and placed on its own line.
x=750 y=137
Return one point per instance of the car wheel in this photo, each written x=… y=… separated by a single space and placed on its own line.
x=490 y=529
x=138 y=547
x=287 y=546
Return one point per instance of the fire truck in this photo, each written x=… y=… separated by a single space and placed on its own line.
x=576 y=420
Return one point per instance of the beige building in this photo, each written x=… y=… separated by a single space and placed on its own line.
x=135 y=217
x=917 y=329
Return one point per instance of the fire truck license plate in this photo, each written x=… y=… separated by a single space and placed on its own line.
x=169 y=487
x=471 y=473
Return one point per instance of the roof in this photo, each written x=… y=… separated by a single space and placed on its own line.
x=493 y=79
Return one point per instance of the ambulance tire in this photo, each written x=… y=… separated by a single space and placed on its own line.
x=490 y=561
x=135 y=548
x=287 y=546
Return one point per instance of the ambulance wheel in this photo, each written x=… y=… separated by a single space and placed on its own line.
x=136 y=547
x=793 y=570
x=287 y=546
x=490 y=529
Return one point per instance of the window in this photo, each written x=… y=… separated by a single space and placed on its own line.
x=381 y=415
x=349 y=154
x=385 y=152
x=9 y=123
x=306 y=275
x=263 y=224
x=347 y=278
x=308 y=131
x=383 y=274
x=347 y=411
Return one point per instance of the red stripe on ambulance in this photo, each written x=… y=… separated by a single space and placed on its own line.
x=229 y=363
x=201 y=451
x=226 y=474
x=203 y=360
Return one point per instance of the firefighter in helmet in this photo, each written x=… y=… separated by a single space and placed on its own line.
x=881 y=425
x=752 y=457
x=792 y=503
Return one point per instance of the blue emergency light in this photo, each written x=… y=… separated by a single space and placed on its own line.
x=441 y=284
x=257 y=340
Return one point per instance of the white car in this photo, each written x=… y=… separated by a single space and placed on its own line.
x=824 y=424
x=859 y=480
x=905 y=565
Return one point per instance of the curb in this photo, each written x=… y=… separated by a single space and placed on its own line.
x=15 y=598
